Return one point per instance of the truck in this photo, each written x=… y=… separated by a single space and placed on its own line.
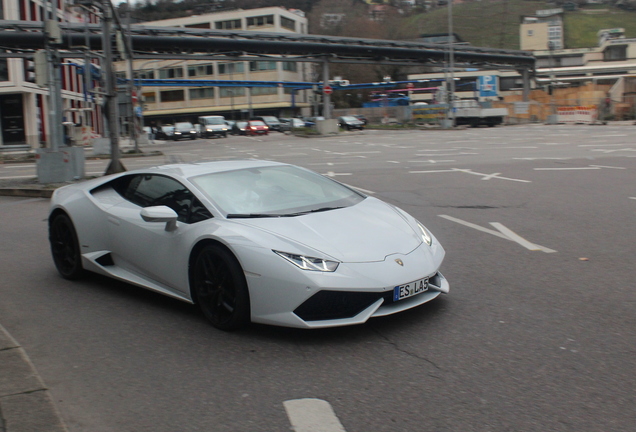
x=466 y=112
x=471 y=112
x=212 y=126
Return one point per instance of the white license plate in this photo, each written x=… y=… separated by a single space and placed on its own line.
x=410 y=289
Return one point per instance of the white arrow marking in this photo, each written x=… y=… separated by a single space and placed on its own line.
x=517 y=238
x=312 y=415
x=502 y=232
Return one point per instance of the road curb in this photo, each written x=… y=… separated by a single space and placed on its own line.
x=25 y=402
x=26 y=192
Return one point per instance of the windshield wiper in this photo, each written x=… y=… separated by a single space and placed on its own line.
x=274 y=215
x=321 y=209
x=252 y=215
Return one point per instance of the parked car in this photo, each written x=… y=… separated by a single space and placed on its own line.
x=165 y=132
x=350 y=122
x=184 y=130
x=256 y=127
x=213 y=126
x=238 y=128
x=272 y=122
x=362 y=118
x=291 y=123
x=311 y=121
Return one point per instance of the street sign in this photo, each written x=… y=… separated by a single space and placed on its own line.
x=327 y=90
x=409 y=86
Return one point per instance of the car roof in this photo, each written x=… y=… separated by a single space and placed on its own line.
x=186 y=170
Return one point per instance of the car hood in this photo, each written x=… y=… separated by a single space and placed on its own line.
x=366 y=232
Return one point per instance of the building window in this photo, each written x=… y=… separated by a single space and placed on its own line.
x=530 y=32
x=231 y=91
x=289 y=66
x=201 y=25
x=4 y=69
x=169 y=73
x=202 y=93
x=228 y=25
x=288 y=23
x=228 y=68
x=263 y=91
x=145 y=74
x=200 y=70
x=150 y=97
x=172 y=96
x=260 y=21
x=256 y=66
x=614 y=53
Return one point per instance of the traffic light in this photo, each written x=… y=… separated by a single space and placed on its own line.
x=41 y=68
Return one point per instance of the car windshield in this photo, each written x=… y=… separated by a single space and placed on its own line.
x=184 y=126
x=349 y=118
x=257 y=123
x=167 y=128
x=214 y=121
x=274 y=192
x=270 y=119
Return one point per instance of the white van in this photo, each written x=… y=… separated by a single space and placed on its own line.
x=212 y=126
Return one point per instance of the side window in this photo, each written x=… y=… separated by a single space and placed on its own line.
x=156 y=190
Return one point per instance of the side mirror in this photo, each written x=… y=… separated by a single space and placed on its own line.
x=160 y=214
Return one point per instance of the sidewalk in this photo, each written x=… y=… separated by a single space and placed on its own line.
x=25 y=402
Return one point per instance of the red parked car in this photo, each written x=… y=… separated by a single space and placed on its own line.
x=256 y=127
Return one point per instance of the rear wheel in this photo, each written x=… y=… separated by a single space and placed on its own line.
x=65 y=247
x=220 y=289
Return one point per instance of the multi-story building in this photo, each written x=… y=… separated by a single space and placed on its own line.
x=542 y=31
x=169 y=104
x=23 y=104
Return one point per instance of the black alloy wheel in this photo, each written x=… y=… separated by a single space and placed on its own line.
x=220 y=289
x=65 y=247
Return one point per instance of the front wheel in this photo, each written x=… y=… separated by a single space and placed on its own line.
x=65 y=247
x=220 y=288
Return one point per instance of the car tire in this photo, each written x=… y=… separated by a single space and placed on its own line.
x=65 y=247
x=220 y=288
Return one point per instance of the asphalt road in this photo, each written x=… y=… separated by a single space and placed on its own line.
x=538 y=332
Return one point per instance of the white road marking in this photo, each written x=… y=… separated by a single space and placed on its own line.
x=614 y=150
x=4 y=166
x=447 y=154
x=477 y=227
x=607 y=136
x=431 y=161
x=634 y=198
x=518 y=239
x=502 y=232
x=567 y=169
x=431 y=171
x=496 y=175
x=599 y=145
x=368 y=192
x=16 y=177
x=610 y=167
x=542 y=158
x=333 y=174
x=312 y=415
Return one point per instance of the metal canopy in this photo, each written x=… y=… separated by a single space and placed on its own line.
x=179 y=43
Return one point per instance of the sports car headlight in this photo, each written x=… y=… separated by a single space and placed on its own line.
x=426 y=237
x=309 y=263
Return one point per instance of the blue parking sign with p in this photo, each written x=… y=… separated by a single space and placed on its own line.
x=488 y=85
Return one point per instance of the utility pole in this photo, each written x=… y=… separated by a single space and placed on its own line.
x=112 y=114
